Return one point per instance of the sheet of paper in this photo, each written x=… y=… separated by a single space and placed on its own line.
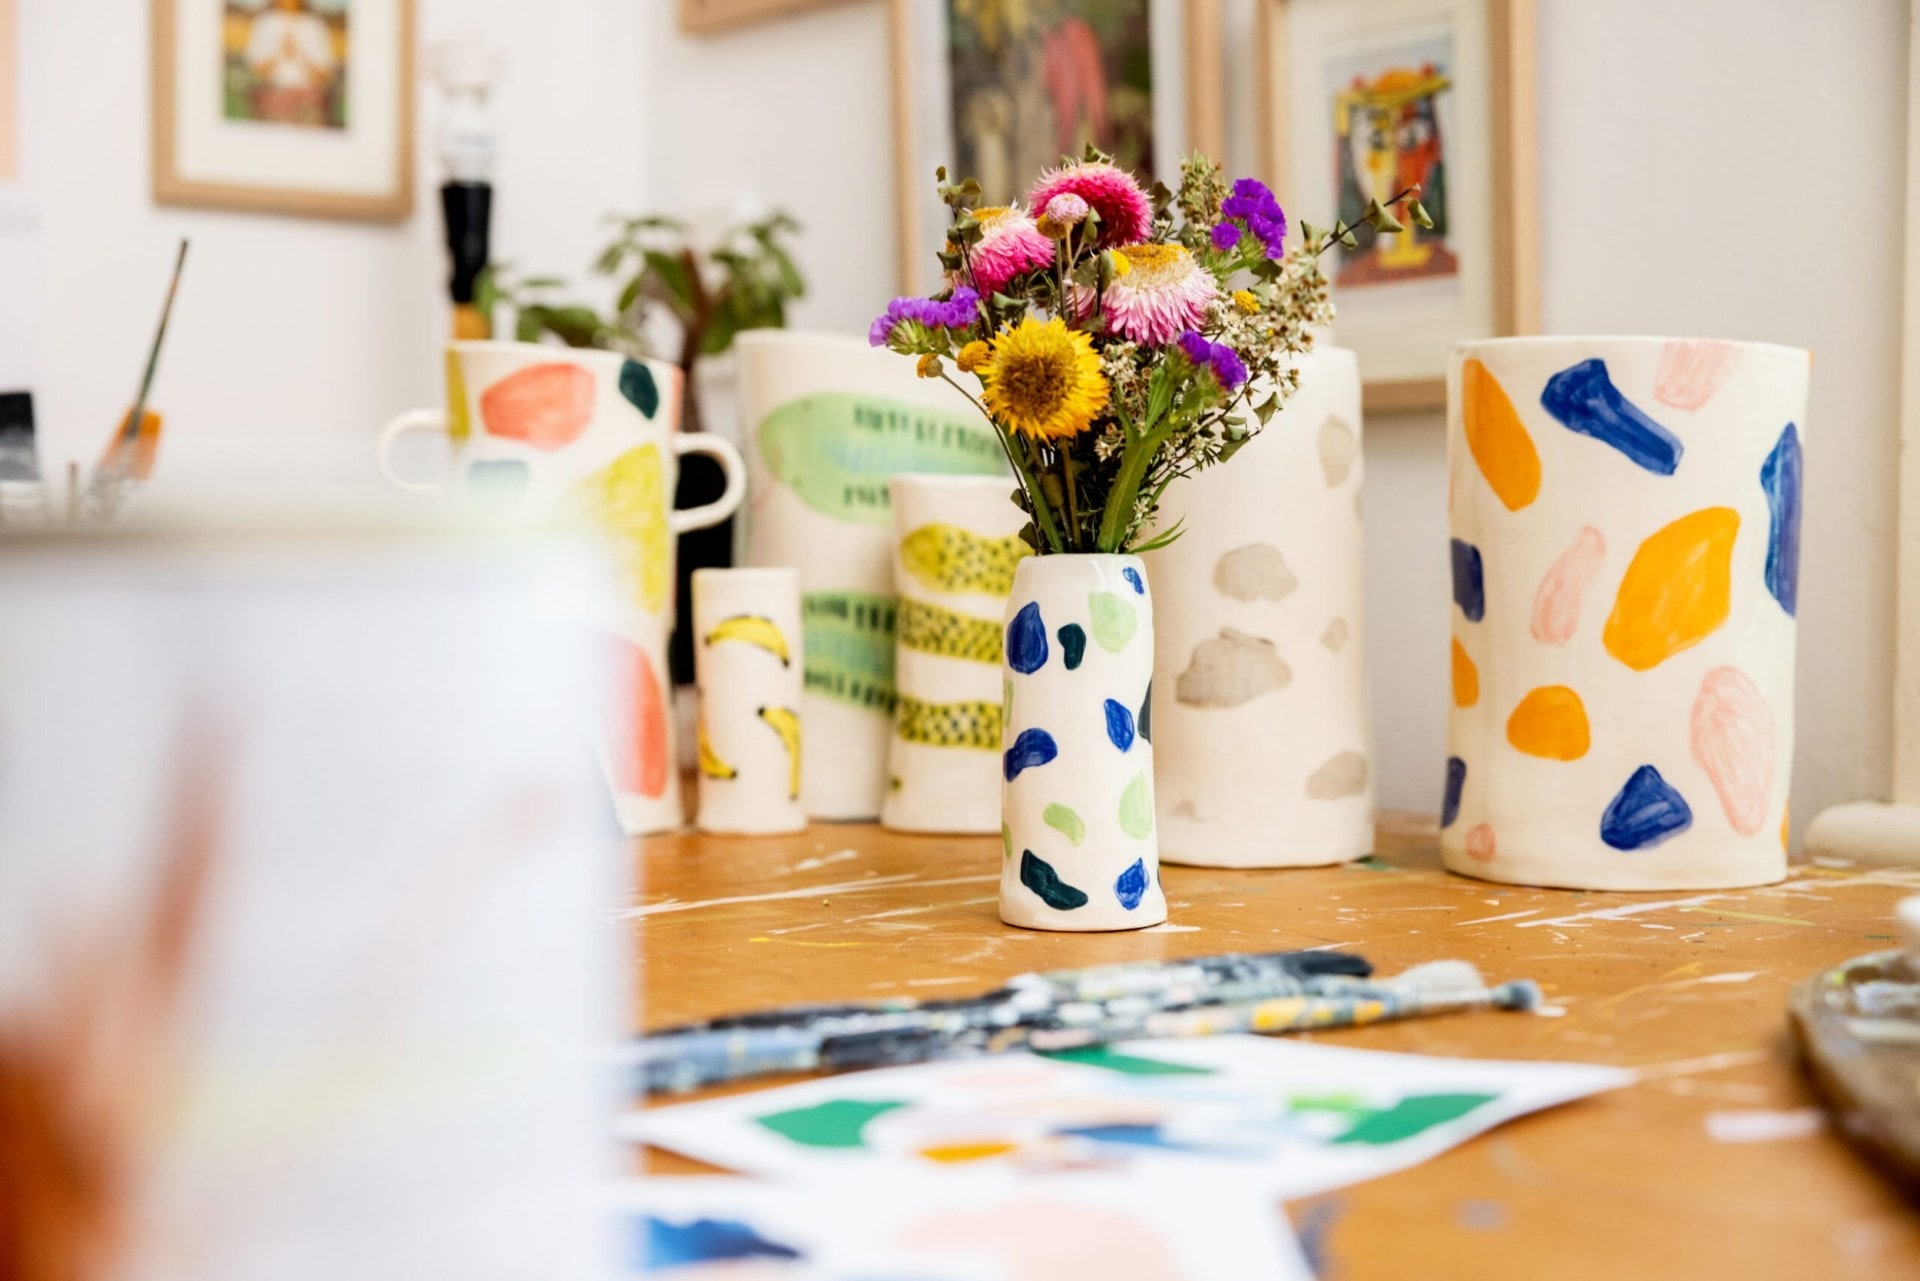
x=970 y=1226
x=1292 y=1117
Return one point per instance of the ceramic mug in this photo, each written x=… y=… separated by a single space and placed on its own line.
x=554 y=430
x=748 y=658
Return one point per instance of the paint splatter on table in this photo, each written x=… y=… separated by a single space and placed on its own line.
x=1690 y=989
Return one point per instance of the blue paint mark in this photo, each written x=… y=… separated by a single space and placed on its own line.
x=1646 y=812
x=661 y=1244
x=1456 y=780
x=1038 y=875
x=1119 y=725
x=1780 y=477
x=1132 y=576
x=1033 y=747
x=1131 y=886
x=1584 y=398
x=637 y=385
x=1313 y=1224
x=1027 y=640
x=1132 y=1134
x=1469 y=581
x=498 y=482
x=1073 y=644
x=1146 y=713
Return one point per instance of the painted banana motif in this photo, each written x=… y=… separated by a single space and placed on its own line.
x=786 y=723
x=754 y=630
x=934 y=630
x=948 y=558
x=970 y=724
x=710 y=763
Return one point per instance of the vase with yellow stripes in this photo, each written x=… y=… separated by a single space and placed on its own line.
x=956 y=542
x=1625 y=570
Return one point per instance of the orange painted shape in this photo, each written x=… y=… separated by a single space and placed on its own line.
x=1786 y=821
x=1732 y=732
x=546 y=406
x=1550 y=721
x=1466 y=677
x=1480 y=843
x=642 y=760
x=1497 y=438
x=1677 y=590
x=959 y=1153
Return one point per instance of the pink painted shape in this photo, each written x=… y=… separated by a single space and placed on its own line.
x=1480 y=843
x=1733 y=743
x=546 y=406
x=1557 y=603
x=1690 y=372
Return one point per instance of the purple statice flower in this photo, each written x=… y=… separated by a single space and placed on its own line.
x=1197 y=349
x=1253 y=203
x=1227 y=367
x=1225 y=236
x=956 y=312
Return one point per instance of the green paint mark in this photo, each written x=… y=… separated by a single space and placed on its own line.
x=1136 y=809
x=1105 y=1056
x=1411 y=1117
x=974 y=724
x=1371 y=863
x=849 y=647
x=1113 y=621
x=948 y=558
x=1064 y=821
x=638 y=388
x=1038 y=875
x=835 y=1124
x=1006 y=841
x=1006 y=700
x=933 y=630
x=837 y=449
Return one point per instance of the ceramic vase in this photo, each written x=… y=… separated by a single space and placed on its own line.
x=748 y=660
x=956 y=545
x=1625 y=563
x=1078 y=837
x=830 y=420
x=1264 y=753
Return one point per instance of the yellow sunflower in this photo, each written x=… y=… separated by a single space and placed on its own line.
x=1044 y=379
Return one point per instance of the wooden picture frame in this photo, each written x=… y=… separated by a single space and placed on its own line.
x=1512 y=191
x=706 y=17
x=194 y=166
x=1200 y=92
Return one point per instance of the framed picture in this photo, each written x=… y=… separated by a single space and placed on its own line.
x=284 y=106
x=1357 y=103
x=999 y=92
x=699 y=17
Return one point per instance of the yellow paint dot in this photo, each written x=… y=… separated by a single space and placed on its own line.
x=1786 y=819
x=1497 y=438
x=459 y=425
x=1466 y=677
x=956 y=1153
x=1551 y=721
x=1676 y=592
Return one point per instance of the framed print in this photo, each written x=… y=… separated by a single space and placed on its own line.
x=700 y=17
x=999 y=92
x=284 y=106
x=1359 y=102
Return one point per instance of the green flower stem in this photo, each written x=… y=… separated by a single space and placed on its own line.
x=1042 y=514
x=1116 y=520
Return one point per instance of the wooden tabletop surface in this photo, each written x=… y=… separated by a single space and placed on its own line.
x=1690 y=989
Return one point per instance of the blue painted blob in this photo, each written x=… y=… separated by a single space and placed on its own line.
x=1038 y=875
x=1146 y=714
x=498 y=482
x=1646 y=812
x=637 y=385
x=1073 y=645
x=1584 y=398
x=1780 y=477
x=1119 y=725
x=1131 y=886
x=670 y=1245
x=1027 y=640
x=1132 y=576
x=1469 y=581
x=1456 y=780
x=1133 y=1134
x=1033 y=747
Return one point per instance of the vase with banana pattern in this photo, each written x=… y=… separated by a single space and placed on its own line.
x=747 y=667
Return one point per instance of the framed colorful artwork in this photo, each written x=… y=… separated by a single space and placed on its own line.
x=998 y=92
x=1359 y=102
x=284 y=106
x=699 y=17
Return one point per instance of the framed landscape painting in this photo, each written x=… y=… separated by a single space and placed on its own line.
x=1359 y=103
x=284 y=106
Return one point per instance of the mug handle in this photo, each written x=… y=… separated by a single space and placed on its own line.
x=412 y=420
x=721 y=451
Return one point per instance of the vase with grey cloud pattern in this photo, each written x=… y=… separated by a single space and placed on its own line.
x=1079 y=842
x=1263 y=727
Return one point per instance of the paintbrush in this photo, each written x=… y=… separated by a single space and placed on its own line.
x=129 y=455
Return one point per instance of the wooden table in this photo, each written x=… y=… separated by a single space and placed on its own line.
x=1688 y=988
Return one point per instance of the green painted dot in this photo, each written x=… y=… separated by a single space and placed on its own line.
x=1006 y=701
x=1136 y=809
x=837 y=1123
x=1006 y=841
x=1113 y=621
x=1064 y=821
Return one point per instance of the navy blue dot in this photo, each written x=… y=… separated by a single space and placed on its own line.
x=1647 y=811
x=1456 y=779
x=1033 y=747
x=1027 y=640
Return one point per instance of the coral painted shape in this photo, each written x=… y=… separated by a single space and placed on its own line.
x=1733 y=737
x=1646 y=811
x=1498 y=439
x=1469 y=581
x=1563 y=590
x=546 y=406
x=1480 y=843
x=1585 y=400
x=1550 y=722
x=1780 y=478
x=1677 y=590
x=1690 y=372
x=642 y=764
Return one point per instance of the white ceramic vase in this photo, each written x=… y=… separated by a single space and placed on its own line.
x=1264 y=753
x=956 y=545
x=831 y=419
x=1079 y=844
x=747 y=661
x=1625 y=561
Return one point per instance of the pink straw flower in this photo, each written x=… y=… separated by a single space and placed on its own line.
x=1163 y=293
x=1126 y=215
x=1010 y=245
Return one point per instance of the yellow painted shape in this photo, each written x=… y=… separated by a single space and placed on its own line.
x=628 y=499
x=1466 y=677
x=458 y=425
x=1786 y=820
x=1550 y=721
x=956 y=1153
x=1498 y=439
x=1676 y=592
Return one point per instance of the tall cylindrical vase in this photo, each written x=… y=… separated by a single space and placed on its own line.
x=748 y=658
x=1625 y=562
x=1265 y=756
x=1078 y=834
